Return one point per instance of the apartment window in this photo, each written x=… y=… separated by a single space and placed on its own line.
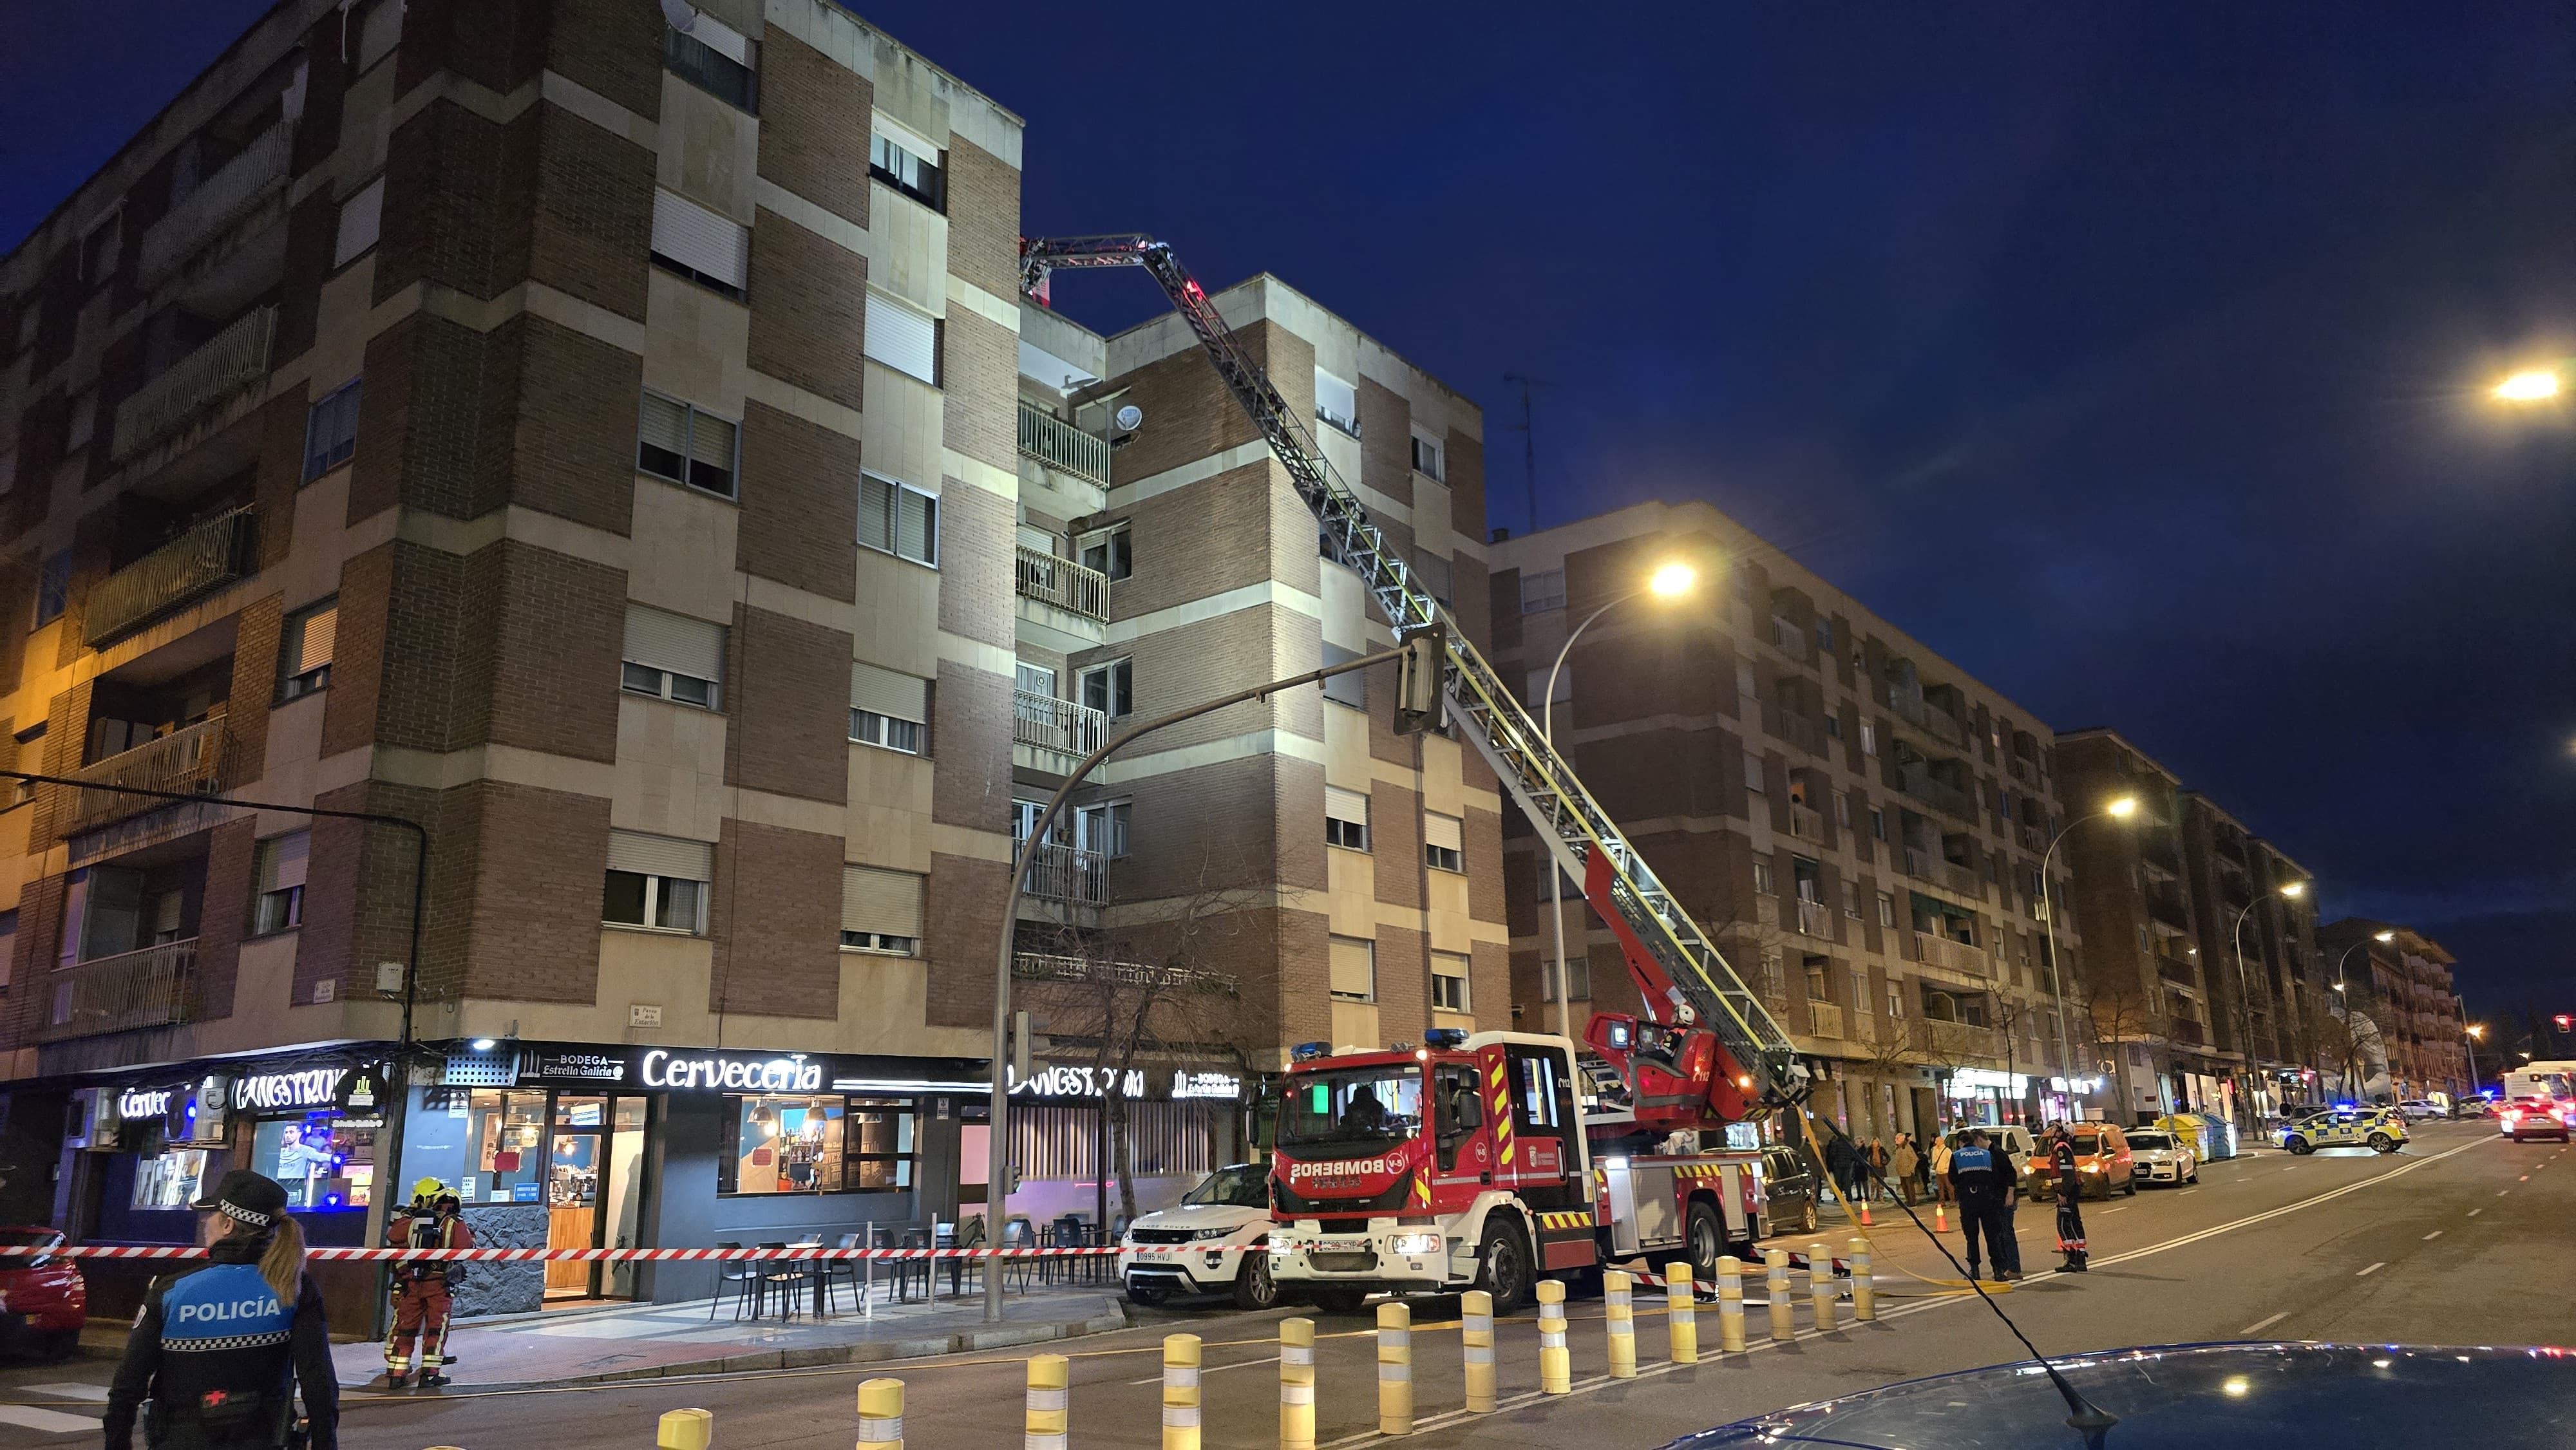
x=1833 y=726
x=1350 y=689
x=1429 y=460
x=1744 y=681
x=880 y=911
x=1842 y=810
x=688 y=445
x=1353 y=969
x=331 y=431
x=1542 y=591
x=1554 y=687
x=1820 y=984
x=2142 y=936
x=1578 y=978
x=1774 y=975
x=304 y=647
x=902 y=337
x=1825 y=638
x=717 y=59
x=1449 y=982
x=1442 y=838
x=1763 y=883
x=1103 y=827
x=1887 y=910
x=657 y=882
x=1989 y=863
x=1346 y=819
x=1877 y=824
x=278 y=873
x=1896 y=1001
x=1110 y=688
x=911 y=166
x=889 y=710
x=1851 y=900
x=674 y=657
x=361 y=223
x=1337 y=402
x=709 y=248
x=53 y=588
x=1868 y=738
x=898 y=519
x=99 y=250
x=1436 y=575
x=1109 y=551
x=1753 y=772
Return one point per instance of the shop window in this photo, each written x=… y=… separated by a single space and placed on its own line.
x=508 y=1133
x=321 y=1169
x=170 y=1180
x=776 y=1143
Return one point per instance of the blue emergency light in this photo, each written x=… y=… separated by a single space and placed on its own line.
x=1308 y=1051
x=1444 y=1037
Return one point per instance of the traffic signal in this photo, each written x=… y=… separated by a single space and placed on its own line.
x=2566 y=1022
x=1418 y=696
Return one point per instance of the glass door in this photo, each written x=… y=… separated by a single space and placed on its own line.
x=573 y=1163
x=621 y=1205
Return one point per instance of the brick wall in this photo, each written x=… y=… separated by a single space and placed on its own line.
x=572 y=448
x=788 y=709
x=40 y=925
x=458 y=201
x=280 y=475
x=961 y=927
x=1192 y=415
x=978 y=539
x=799 y=493
x=980 y=372
x=497 y=44
x=1403 y=981
x=612 y=47
x=255 y=643
x=814 y=128
x=983 y=218
x=592 y=229
x=970 y=748
x=538 y=643
x=809 y=300
x=1201 y=539
x=523 y=922
x=312 y=240
x=776 y=920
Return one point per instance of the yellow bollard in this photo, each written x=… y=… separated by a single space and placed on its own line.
x=1864 y=1287
x=1730 y=1305
x=685 y=1430
x=1394 y=1369
x=1180 y=1392
x=1681 y=1313
x=881 y=1415
x=1476 y=1328
x=1784 y=1319
x=1046 y=1427
x=1820 y=1285
x=1296 y=1384
x=1620 y=1313
x=1555 y=1368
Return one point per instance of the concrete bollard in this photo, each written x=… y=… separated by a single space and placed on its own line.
x=1730 y=1305
x=1394 y=1369
x=1476 y=1328
x=1864 y=1283
x=1046 y=1427
x=1180 y=1392
x=1784 y=1319
x=1821 y=1291
x=1296 y=1384
x=685 y=1430
x=1555 y=1367
x=881 y=1415
x=1681 y=1313
x=1619 y=1312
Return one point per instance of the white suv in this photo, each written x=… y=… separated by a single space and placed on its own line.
x=1216 y=1241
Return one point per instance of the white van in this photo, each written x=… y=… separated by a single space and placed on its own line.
x=2012 y=1138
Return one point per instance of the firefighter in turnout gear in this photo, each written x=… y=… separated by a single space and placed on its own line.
x=220 y=1348
x=2070 y=1201
x=421 y=1289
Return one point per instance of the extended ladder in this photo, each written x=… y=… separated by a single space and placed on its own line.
x=1683 y=978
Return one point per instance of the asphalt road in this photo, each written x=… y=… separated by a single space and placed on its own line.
x=2460 y=1239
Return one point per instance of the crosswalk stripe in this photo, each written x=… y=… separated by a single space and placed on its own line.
x=53 y=1422
x=95 y=1394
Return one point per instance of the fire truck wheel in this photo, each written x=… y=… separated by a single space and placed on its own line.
x=1503 y=1264
x=1338 y=1301
x=1253 y=1286
x=1707 y=1240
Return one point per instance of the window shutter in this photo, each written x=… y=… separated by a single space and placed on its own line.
x=902 y=338
x=884 y=692
x=360 y=218
x=282 y=860
x=916 y=526
x=661 y=856
x=1354 y=967
x=701 y=240
x=885 y=902
x=664 y=425
x=876 y=512
x=321 y=630
x=711 y=441
x=1346 y=805
x=1443 y=831
x=674 y=642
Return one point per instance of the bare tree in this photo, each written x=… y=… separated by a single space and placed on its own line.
x=2122 y=1011
x=2350 y=1040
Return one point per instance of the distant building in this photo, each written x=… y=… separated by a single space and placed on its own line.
x=2409 y=1036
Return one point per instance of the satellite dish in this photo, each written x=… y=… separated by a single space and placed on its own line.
x=1130 y=418
x=680 y=14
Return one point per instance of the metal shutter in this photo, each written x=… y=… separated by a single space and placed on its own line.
x=711 y=441
x=916 y=526
x=1346 y=805
x=876 y=512
x=282 y=860
x=360 y=218
x=1440 y=830
x=661 y=856
x=319 y=632
x=1354 y=967
x=884 y=692
x=901 y=338
x=674 y=642
x=701 y=240
x=885 y=902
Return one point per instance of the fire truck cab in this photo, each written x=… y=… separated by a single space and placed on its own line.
x=1469 y=1162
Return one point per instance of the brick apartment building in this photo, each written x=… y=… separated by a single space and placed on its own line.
x=536 y=422
x=2409 y=1037
x=1859 y=822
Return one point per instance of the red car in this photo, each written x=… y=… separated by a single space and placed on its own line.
x=2533 y=1118
x=43 y=1302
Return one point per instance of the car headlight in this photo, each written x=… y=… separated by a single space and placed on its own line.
x=1414 y=1245
x=1213 y=1233
x=2091 y=1168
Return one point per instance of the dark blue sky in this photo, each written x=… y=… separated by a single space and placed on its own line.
x=2128 y=355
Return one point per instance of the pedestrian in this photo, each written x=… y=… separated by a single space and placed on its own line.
x=2070 y=1201
x=1983 y=1178
x=1905 y=1163
x=1838 y=1163
x=425 y=1288
x=1874 y=1181
x=220 y=1348
x=1942 y=1150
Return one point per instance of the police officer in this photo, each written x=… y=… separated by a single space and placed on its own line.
x=1985 y=1181
x=2070 y=1200
x=422 y=1288
x=220 y=1348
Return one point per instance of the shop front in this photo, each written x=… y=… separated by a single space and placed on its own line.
x=1178 y=1122
x=1983 y=1097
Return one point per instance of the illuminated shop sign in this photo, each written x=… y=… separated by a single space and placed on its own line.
x=312 y=1087
x=1224 y=1086
x=1060 y=1082
x=719 y=1072
x=136 y=1103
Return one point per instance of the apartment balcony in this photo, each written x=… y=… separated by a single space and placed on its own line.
x=1805 y=824
x=228 y=364
x=1938 y=794
x=2177 y=972
x=1053 y=735
x=1961 y=1039
x=1934 y=950
x=2164 y=903
x=1061 y=446
x=2185 y=1032
x=219 y=201
x=1794 y=728
x=1949 y=875
x=1812 y=918
x=1912 y=709
x=198 y=562
x=1073 y=875
x=1789 y=639
x=1062 y=606
x=1058 y=967
x=154 y=987
x=1827 y=1017
x=188 y=761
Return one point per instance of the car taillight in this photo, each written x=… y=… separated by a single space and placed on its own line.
x=2513 y=1117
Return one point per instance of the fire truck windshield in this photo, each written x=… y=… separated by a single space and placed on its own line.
x=1356 y=1109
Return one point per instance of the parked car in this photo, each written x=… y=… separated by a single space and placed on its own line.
x=2103 y=1162
x=2013 y=1139
x=2534 y=1118
x=2473 y=1108
x=1789 y=1191
x=43 y=1300
x=1215 y=1241
x=2423 y=1110
x=2163 y=1157
x=2382 y=1130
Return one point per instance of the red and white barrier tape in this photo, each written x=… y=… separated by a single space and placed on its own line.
x=805 y=1254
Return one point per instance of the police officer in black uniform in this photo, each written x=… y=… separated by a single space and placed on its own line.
x=220 y=1348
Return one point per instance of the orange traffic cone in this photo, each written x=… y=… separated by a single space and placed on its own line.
x=1940 y=1217
x=1864 y=1214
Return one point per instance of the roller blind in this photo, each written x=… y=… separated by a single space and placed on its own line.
x=665 y=425
x=318 y=632
x=1354 y=968
x=674 y=642
x=661 y=856
x=1346 y=805
x=902 y=338
x=884 y=692
x=1442 y=831
x=701 y=240
x=282 y=860
x=360 y=218
x=885 y=902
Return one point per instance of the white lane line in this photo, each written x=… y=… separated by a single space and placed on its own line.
x=52 y=1422
x=2259 y=1325
x=2501 y=1192
x=2428 y=1238
x=2373 y=1269
x=2475 y=1212
x=2526 y=1178
x=95 y=1394
x=2123 y=1208
x=1215 y=1369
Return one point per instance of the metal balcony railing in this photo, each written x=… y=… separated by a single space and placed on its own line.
x=1064 y=584
x=1058 y=444
x=1827 y=1016
x=1940 y=795
x=1788 y=638
x=1805 y=824
x=1933 y=949
x=189 y=761
x=1073 y=874
x=228 y=362
x=1057 y=967
x=1060 y=725
x=1814 y=920
x=217 y=202
x=2177 y=972
x=205 y=558
x=154 y=987
x=1908 y=704
x=2186 y=1032
x=1961 y=1039
x=1794 y=728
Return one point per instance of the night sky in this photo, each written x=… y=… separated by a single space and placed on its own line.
x=2133 y=360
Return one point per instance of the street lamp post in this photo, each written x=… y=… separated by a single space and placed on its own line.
x=2381 y=937
x=2473 y=1031
x=1671 y=581
x=2119 y=810
x=2245 y=1002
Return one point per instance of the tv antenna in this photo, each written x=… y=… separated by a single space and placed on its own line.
x=1529 y=440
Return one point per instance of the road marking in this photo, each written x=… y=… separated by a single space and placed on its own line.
x=2123 y=1208
x=53 y=1422
x=2526 y=1178
x=2428 y=1238
x=2475 y=1212
x=2259 y=1325
x=2501 y=1192
x=95 y=1394
x=2373 y=1269
x=1214 y=1369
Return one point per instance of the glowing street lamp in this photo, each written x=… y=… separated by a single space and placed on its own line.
x=2531 y=385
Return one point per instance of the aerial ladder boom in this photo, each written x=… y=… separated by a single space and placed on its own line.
x=1709 y=1051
